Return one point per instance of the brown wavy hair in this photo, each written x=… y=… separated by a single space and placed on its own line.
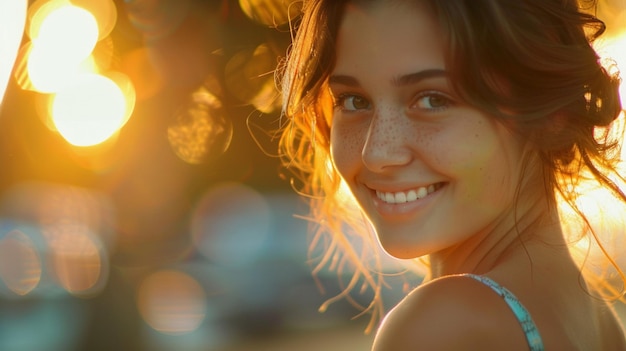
x=531 y=58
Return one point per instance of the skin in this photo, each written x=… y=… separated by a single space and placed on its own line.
x=397 y=125
x=393 y=137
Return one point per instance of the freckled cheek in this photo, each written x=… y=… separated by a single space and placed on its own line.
x=346 y=146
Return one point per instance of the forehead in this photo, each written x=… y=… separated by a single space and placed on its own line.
x=388 y=38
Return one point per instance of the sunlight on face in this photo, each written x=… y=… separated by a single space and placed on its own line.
x=410 y=151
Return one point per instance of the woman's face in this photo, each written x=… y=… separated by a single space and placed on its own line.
x=429 y=171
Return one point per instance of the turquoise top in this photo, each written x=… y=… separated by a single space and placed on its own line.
x=522 y=315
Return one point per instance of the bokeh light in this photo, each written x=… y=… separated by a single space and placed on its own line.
x=20 y=71
x=20 y=263
x=104 y=11
x=48 y=74
x=90 y=111
x=71 y=55
x=250 y=77
x=231 y=224
x=38 y=10
x=55 y=205
x=73 y=227
x=69 y=31
x=64 y=39
x=172 y=302
x=78 y=258
x=201 y=130
x=127 y=88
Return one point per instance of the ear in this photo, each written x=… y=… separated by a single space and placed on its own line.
x=12 y=21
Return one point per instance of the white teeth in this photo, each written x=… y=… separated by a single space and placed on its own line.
x=403 y=197
x=411 y=196
x=400 y=197
x=389 y=197
x=422 y=192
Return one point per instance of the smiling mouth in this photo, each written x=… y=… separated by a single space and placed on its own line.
x=402 y=197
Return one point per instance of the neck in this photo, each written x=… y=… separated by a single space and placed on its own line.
x=510 y=238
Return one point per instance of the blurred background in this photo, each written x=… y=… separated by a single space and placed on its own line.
x=142 y=205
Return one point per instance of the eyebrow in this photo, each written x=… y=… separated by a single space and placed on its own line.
x=403 y=80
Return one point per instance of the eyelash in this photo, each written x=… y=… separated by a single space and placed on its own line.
x=436 y=94
x=340 y=101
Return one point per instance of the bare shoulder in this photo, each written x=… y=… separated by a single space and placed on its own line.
x=451 y=313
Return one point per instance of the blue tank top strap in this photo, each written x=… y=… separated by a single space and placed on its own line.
x=530 y=329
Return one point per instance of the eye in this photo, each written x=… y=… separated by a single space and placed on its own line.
x=432 y=101
x=350 y=102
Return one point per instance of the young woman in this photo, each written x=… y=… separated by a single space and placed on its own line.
x=457 y=126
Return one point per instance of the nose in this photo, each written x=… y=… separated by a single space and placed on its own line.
x=388 y=141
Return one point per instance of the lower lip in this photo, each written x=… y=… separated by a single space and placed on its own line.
x=405 y=209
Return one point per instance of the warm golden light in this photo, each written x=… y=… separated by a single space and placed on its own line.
x=603 y=209
x=104 y=11
x=605 y=214
x=38 y=11
x=90 y=111
x=20 y=264
x=250 y=77
x=65 y=38
x=127 y=88
x=272 y=13
x=172 y=302
x=70 y=32
x=148 y=80
x=12 y=18
x=50 y=74
x=614 y=49
x=201 y=131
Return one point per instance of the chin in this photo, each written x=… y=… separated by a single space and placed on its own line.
x=402 y=251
